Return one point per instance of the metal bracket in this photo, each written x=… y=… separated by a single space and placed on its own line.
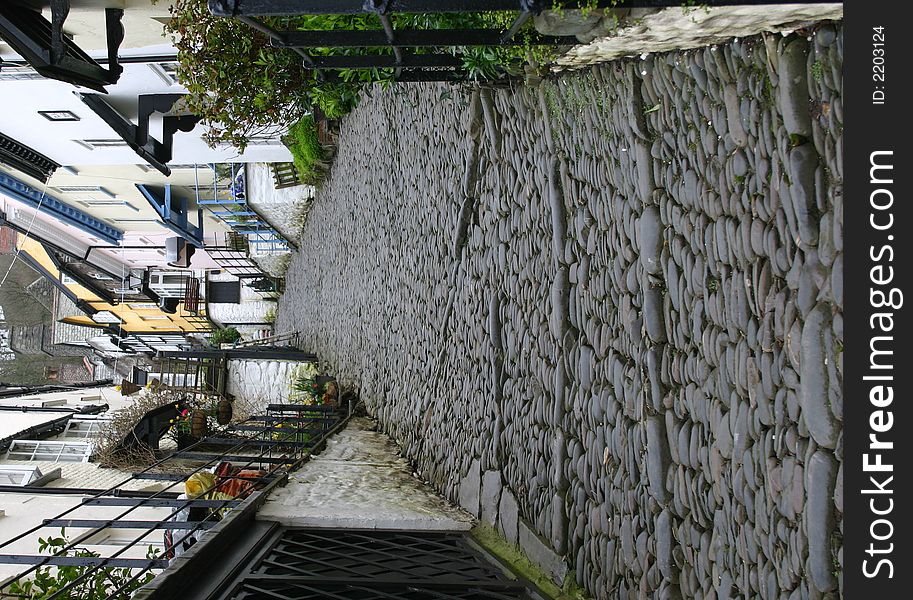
x=534 y=6
x=380 y=7
x=114 y=33
x=59 y=11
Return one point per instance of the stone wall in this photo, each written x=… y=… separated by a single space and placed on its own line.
x=278 y=206
x=606 y=313
x=639 y=31
x=259 y=382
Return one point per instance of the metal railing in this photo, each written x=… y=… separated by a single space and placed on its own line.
x=276 y=443
x=432 y=64
x=291 y=339
x=230 y=206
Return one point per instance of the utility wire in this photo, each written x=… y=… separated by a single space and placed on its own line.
x=28 y=231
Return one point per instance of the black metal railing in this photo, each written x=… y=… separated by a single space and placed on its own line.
x=433 y=64
x=276 y=443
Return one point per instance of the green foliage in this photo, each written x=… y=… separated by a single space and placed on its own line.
x=228 y=335
x=242 y=86
x=306 y=150
x=270 y=316
x=237 y=82
x=97 y=585
x=817 y=70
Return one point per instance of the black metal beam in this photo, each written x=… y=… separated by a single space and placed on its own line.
x=234 y=441
x=410 y=61
x=515 y=27
x=266 y=428
x=125 y=524
x=42 y=44
x=81 y=561
x=452 y=76
x=233 y=457
x=159 y=502
x=384 y=580
x=246 y=352
x=160 y=476
x=153 y=152
x=324 y=408
x=277 y=8
x=409 y=38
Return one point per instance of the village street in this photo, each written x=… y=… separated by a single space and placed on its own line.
x=605 y=313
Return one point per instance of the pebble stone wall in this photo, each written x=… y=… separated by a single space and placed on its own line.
x=606 y=313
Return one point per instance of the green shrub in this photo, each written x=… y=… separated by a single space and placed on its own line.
x=242 y=86
x=236 y=80
x=228 y=335
x=85 y=582
x=306 y=151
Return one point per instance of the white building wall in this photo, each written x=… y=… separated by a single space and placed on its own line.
x=60 y=140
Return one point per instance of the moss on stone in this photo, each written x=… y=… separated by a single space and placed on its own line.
x=513 y=557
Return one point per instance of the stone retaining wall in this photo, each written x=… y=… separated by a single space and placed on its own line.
x=259 y=382
x=606 y=313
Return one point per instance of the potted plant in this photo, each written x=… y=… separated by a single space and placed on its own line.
x=182 y=429
x=310 y=387
x=227 y=335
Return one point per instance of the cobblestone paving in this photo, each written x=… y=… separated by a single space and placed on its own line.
x=611 y=304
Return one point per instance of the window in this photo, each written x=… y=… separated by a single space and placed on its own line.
x=85 y=189
x=167 y=72
x=101 y=143
x=19 y=74
x=16 y=475
x=58 y=115
x=46 y=450
x=94 y=203
x=82 y=428
x=105 y=316
x=143 y=305
x=119 y=537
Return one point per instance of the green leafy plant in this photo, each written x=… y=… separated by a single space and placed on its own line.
x=242 y=86
x=817 y=71
x=237 y=82
x=227 y=335
x=270 y=316
x=86 y=583
x=307 y=153
x=305 y=387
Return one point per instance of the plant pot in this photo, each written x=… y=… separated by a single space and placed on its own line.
x=128 y=388
x=185 y=440
x=224 y=411
x=198 y=426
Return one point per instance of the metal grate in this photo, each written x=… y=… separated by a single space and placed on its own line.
x=263 y=449
x=389 y=565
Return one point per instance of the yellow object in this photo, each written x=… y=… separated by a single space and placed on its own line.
x=135 y=317
x=199 y=484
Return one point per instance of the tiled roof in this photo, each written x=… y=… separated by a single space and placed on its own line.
x=65 y=308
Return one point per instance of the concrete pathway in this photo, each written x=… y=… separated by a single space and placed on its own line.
x=360 y=481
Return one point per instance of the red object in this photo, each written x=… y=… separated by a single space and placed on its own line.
x=230 y=482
